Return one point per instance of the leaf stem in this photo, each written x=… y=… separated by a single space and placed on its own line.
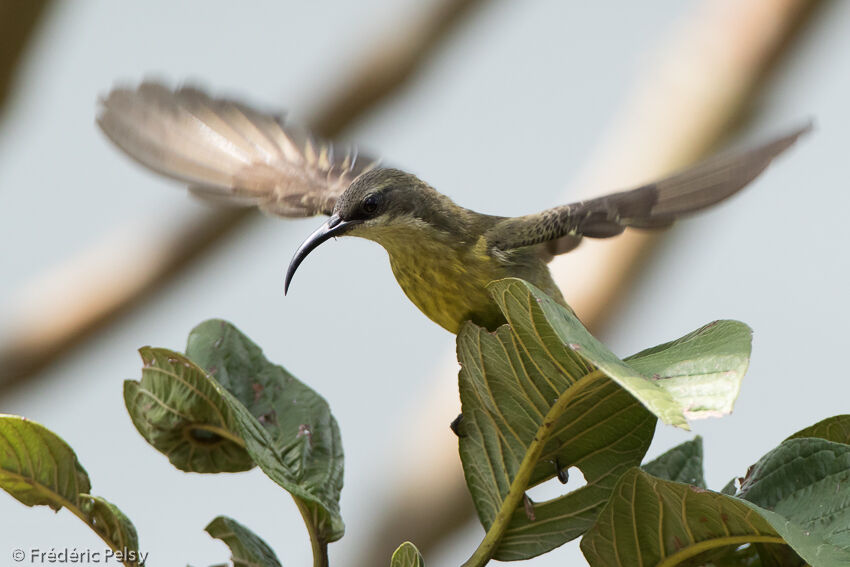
x=317 y=542
x=703 y=546
x=520 y=483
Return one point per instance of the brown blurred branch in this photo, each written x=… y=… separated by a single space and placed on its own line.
x=709 y=74
x=706 y=82
x=392 y=65
x=18 y=21
x=86 y=295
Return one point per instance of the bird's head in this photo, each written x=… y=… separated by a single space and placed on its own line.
x=378 y=198
x=375 y=205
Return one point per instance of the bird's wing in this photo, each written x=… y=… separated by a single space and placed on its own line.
x=228 y=151
x=655 y=205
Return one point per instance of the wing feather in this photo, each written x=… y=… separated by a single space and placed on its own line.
x=651 y=206
x=228 y=151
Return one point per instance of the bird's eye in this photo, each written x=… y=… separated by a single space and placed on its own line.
x=371 y=203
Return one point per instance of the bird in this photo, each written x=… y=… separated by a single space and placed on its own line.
x=442 y=255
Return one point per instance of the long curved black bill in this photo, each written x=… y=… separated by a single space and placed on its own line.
x=334 y=226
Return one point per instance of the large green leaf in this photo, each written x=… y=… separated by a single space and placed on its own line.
x=247 y=548
x=836 y=428
x=39 y=469
x=506 y=398
x=224 y=408
x=683 y=463
x=542 y=394
x=795 y=496
x=803 y=488
x=650 y=521
x=406 y=555
x=701 y=371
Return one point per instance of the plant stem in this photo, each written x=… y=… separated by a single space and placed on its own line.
x=317 y=542
x=520 y=482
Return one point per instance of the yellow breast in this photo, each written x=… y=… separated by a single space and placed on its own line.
x=446 y=282
x=447 y=278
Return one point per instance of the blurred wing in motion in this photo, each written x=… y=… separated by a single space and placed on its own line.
x=655 y=205
x=228 y=151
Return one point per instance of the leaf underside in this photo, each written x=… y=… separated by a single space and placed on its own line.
x=223 y=407
x=511 y=379
x=793 y=508
x=247 y=548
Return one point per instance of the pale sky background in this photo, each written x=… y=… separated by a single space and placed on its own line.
x=501 y=120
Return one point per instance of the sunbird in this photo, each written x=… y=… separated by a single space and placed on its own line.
x=442 y=255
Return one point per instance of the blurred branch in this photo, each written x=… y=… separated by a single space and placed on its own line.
x=91 y=291
x=18 y=21
x=705 y=78
x=392 y=65
x=702 y=89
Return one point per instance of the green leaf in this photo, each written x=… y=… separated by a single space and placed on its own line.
x=796 y=495
x=225 y=408
x=407 y=556
x=185 y=415
x=731 y=488
x=507 y=398
x=543 y=394
x=682 y=463
x=650 y=521
x=39 y=469
x=534 y=317
x=246 y=547
x=703 y=370
x=836 y=428
x=112 y=525
x=802 y=488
